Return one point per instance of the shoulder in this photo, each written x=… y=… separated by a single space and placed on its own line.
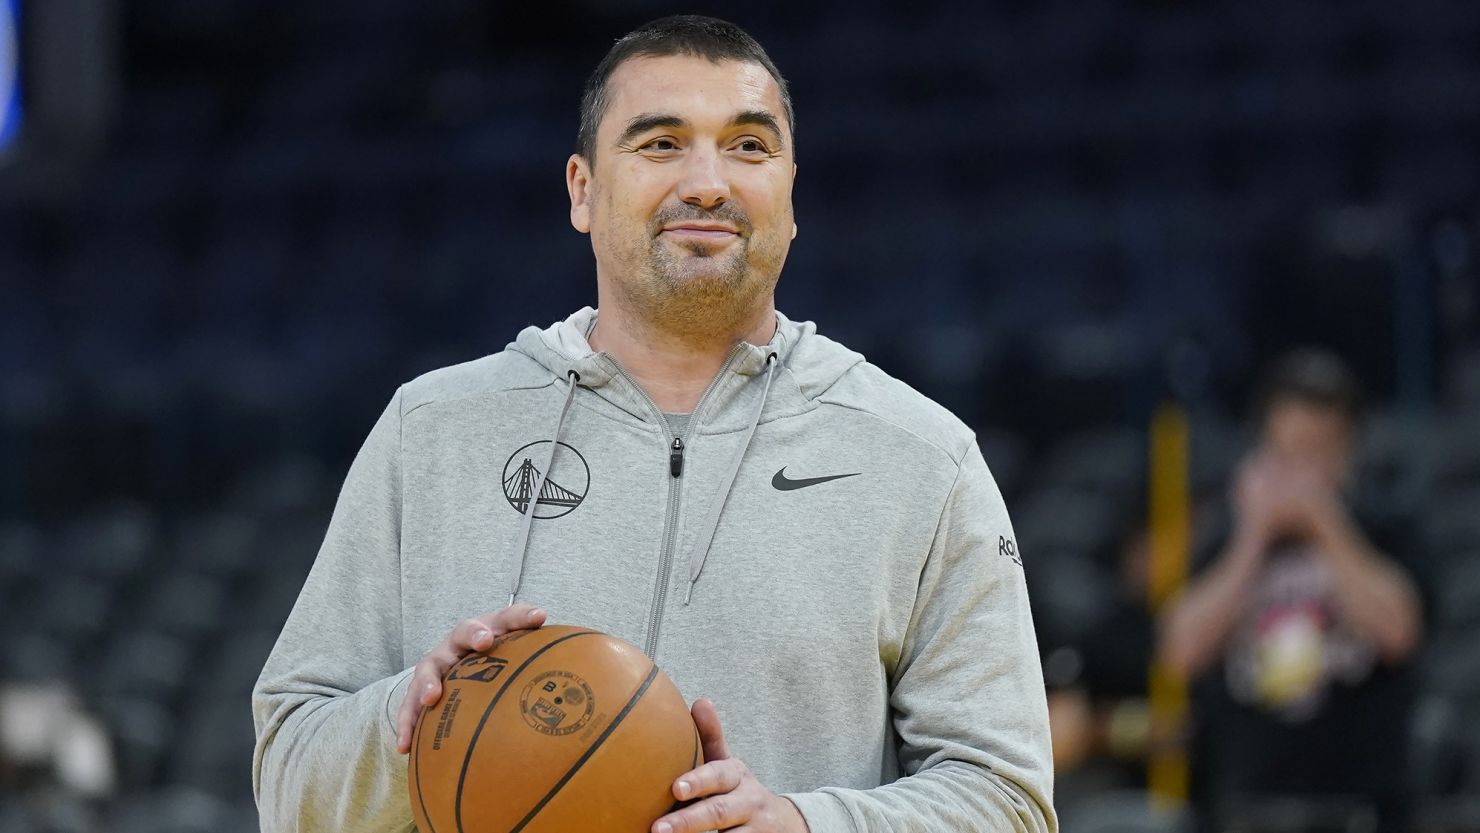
x=830 y=375
x=899 y=410
x=497 y=373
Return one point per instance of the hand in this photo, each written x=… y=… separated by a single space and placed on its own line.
x=736 y=799
x=1264 y=496
x=1311 y=498
x=1256 y=499
x=470 y=635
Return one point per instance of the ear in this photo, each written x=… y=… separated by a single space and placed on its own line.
x=793 y=183
x=578 y=183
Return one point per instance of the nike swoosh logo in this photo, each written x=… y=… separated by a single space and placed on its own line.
x=786 y=484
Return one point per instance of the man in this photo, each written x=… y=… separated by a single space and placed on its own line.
x=781 y=526
x=1311 y=606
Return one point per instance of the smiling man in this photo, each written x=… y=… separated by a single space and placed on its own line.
x=812 y=549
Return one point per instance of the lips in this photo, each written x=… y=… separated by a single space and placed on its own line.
x=701 y=232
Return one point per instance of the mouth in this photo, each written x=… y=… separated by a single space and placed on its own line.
x=701 y=232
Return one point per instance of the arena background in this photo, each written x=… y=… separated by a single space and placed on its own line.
x=230 y=228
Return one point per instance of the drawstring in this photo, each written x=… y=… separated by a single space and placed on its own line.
x=522 y=547
x=711 y=523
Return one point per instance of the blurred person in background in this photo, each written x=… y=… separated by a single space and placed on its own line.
x=1300 y=625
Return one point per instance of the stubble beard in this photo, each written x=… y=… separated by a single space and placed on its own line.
x=695 y=294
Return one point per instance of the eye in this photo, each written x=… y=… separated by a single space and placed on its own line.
x=662 y=144
x=752 y=146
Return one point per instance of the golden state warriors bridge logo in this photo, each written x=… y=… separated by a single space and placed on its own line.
x=561 y=491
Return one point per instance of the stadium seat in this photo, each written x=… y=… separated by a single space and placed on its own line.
x=145 y=664
x=27 y=655
x=1452 y=665
x=1067 y=521
x=1451 y=523
x=173 y=810
x=1463 y=384
x=16 y=816
x=21 y=549
x=1457 y=588
x=182 y=604
x=216 y=543
x=111 y=542
x=1124 y=811
x=1107 y=462
x=75 y=609
x=1458 y=451
x=231 y=666
x=143 y=731
x=1264 y=813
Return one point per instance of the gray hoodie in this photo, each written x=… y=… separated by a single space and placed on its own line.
x=823 y=553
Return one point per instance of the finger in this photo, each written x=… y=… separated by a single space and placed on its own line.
x=470 y=635
x=477 y=634
x=424 y=689
x=719 y=812
x=513 y=618
x=711 y=734
x=405 y=723
x=710 y=779
x=406 y=716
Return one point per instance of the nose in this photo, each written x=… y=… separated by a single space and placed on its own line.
x=704 y=183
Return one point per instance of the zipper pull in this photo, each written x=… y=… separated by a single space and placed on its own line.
x=675 y=457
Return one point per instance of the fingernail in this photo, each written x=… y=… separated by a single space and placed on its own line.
x=683 y=789
x=536 y=613
x=480 y=636
x=665 y=827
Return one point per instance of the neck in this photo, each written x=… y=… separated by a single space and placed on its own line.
x=674 y=368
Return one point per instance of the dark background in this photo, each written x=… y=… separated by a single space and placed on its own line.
x=233 y=227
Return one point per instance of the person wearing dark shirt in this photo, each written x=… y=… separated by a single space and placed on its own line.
x=1298 y=628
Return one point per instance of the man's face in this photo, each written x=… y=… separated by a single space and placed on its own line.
x=1313 y=436
x=689 y=202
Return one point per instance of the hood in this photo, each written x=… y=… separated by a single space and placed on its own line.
x=808 y=365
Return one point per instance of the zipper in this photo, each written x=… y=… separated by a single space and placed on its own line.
x=676 y=449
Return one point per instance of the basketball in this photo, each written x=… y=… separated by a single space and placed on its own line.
x=555 y=729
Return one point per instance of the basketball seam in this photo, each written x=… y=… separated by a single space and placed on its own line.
x=595 y=745
x=462 y=777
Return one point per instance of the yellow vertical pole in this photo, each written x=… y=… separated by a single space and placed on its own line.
x=1170 y=538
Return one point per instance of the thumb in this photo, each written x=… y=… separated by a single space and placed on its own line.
x=711 y=735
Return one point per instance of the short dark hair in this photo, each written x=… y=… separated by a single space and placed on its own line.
x=680 y=34
x=1312 y=376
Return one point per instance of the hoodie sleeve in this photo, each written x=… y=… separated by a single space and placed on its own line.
x=967 y=701
x=325 y=703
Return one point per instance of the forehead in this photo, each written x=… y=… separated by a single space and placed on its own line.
x=692 y=87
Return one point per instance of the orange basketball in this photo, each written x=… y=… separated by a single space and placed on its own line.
x=548 y=731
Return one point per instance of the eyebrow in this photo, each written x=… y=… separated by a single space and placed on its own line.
x=757 y=118
x=640 y=124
